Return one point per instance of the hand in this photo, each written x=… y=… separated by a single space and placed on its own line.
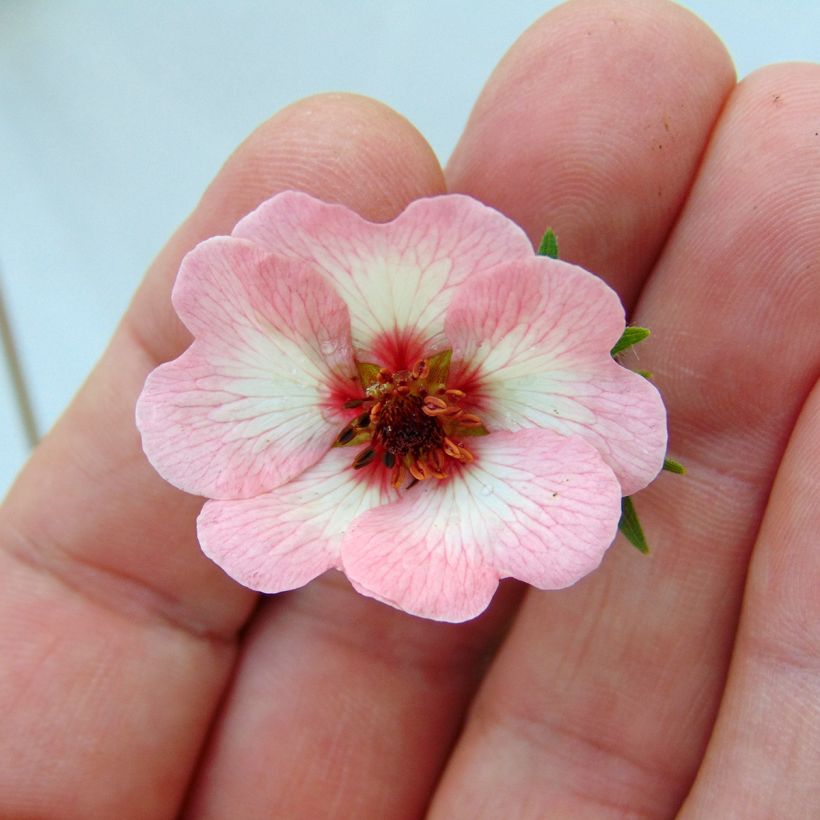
x=138 y=679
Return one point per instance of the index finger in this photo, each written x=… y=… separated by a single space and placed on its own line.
x=117 y=633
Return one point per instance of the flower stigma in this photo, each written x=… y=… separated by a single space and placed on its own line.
x=411 y=421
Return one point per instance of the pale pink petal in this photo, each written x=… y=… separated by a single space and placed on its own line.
x=282 y=539
x=534 y=505
x=397 y=278
x=251 y=403
x=531 y=343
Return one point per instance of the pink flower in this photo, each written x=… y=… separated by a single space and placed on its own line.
x=424 y=404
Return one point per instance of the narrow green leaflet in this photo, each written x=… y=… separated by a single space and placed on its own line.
x=672 y=466
x=549 y=245
x=631 y=336
x=631 y=527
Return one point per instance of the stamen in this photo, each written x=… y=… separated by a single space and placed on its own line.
x=434 y=402
x=402 y=425
x=432 y=463
x=364 y=458
x=451 y=448
x=437 y=459
x=424 y=467
x=346 y=436
x=450 y=410
x=422 y=369
x=416 y=471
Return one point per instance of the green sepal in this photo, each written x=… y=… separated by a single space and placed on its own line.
x=630 y=526
x=368 y=374
x=439 y=365
x=549 y=245
x=647 y=374
x=672 y=466
x=630 y=336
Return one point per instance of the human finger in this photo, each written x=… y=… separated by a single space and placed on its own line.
x=118 y=635
x=594 y=124
x=762 y=756
x=622 y=720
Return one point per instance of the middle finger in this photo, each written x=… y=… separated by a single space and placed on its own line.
x=377 y=669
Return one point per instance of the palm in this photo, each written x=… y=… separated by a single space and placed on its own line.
x=609 y=699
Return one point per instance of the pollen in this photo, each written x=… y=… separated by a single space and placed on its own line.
x=411 y=421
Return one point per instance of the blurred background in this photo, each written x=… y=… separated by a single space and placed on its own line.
x=115 y=115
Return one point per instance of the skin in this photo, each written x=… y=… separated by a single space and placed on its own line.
x=138 y=681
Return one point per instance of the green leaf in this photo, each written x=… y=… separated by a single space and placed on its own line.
x=631 y=527
x=630 y=336
x=672 y=466
x=549 y=245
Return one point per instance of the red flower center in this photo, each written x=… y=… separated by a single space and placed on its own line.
x=411 y=421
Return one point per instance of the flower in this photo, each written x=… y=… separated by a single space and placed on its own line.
x=425 y=404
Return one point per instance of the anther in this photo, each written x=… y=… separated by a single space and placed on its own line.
x=385 y=375
x=432 y=469
x=415 y=471
x=422 y=369
x=434 y=401
x=364 y=458
x=466 y=455
x=397 y=476
x=351 y=403
x=469 y=420
x=374 y=412
x=424 y=468
x=450 y=410
x=451 y=448
x=403 y=389
x=437 y=460
x=389 y=459
x=363 y=420
x=456 y=394
x=346 y=436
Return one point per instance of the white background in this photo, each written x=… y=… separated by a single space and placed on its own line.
x=114 y=116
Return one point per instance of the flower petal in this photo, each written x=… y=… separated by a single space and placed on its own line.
x=534 y=505
x=282 y=539
x=533 y=341
x=250 y=404
x=397 y=278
